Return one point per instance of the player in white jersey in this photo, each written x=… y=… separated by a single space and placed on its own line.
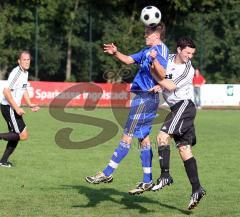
x=179 y=124
x=13 y=92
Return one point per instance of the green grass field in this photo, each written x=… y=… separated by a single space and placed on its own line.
x=49 y=181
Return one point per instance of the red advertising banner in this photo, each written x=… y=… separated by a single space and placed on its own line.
x=79 y=94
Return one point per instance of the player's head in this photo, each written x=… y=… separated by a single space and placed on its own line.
x=24 y=59
x=154 y=35
x=185 y=49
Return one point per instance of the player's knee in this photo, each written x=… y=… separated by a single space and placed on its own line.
x=144 y=142
x=126 y=139
x=163 y=139
x=23 y=136
x=185 y=151
x=184 y=148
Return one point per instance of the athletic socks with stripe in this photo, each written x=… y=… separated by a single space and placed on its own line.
x=146 y=158
x=120 y=152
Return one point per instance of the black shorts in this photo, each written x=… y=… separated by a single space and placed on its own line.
x=14 y=121
x=180 y=123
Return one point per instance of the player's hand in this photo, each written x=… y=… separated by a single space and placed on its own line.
x=153 y=54
x=110 y=48
x=34 y=107
x=20 y=111
x=155 y=89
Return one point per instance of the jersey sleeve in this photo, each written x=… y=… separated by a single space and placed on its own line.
x=12 y=78
x=162 y=55
x=185 y=77
x=137 y=57
x=163 y=61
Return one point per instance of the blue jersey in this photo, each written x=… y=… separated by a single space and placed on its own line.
x=143 y=81
x=143 y=110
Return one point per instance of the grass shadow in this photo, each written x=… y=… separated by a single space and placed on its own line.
x=97 y=196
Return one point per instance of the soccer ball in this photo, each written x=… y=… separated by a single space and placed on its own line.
x=150 y=16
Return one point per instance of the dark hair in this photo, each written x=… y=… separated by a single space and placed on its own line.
x=161 y=28
x=22 y=52
x=184 y=42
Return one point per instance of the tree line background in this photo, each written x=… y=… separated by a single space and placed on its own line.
x=66 y=38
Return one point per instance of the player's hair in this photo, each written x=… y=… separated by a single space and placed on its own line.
x=22 y=52
x=161 y=28
x=184 y=42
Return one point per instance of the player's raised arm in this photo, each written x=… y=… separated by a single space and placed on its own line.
x=112 y=50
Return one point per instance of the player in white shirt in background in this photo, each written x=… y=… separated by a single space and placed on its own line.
x=13 y=92
x=179 y=124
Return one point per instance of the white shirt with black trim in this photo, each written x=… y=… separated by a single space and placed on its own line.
x=17 y=83
x=181 y=75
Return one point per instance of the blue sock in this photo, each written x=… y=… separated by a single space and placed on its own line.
x=119 y=153
x=146 y=157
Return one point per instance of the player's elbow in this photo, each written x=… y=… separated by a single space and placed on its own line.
x=128 y=63
x=6 y=91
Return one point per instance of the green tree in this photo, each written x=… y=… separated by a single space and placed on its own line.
x=16 y=33
x=71 y=36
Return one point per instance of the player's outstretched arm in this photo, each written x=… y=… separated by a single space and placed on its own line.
x=112 y=50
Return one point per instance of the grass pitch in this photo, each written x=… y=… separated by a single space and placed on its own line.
x=49 y=181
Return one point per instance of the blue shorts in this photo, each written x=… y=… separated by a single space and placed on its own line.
x=143 y=110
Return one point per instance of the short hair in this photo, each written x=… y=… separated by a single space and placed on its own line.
x=184 y=42
x=22 y=52
x=161 y=28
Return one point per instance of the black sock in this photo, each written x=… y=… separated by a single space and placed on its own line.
x=10 y=136
x=11 y=145
x=164 y=159
x=192 y=173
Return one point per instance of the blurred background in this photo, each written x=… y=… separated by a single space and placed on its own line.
x=66 y=38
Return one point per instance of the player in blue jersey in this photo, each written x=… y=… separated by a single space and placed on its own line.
x=144 y=105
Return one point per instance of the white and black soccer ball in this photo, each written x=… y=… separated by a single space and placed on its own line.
x=151 y=16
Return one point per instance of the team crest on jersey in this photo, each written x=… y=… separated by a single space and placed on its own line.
x=24 y=86
x=169 y=76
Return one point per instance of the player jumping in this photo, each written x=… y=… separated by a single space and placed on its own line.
x=143 y=107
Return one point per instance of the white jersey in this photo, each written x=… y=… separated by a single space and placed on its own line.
x=181 y=75
x=17 y=83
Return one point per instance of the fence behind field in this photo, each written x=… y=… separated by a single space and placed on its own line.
x=116 y=95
